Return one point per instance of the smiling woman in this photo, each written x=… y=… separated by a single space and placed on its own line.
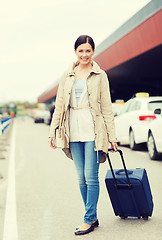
x=83 y=107
x=84 y=53
x=84 y=49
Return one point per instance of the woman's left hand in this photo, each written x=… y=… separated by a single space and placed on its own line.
x=114 y=145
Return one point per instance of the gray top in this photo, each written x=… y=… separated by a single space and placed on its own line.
x=79 y=86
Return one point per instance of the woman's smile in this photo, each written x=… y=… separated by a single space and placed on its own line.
x=84 y=59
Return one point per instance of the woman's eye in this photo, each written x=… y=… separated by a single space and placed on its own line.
x=80 y=50
x=88 y=50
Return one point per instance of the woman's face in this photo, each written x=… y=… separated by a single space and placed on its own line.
x=84 y=53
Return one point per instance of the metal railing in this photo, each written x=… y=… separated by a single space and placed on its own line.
x=4 y=124
x=4 y=137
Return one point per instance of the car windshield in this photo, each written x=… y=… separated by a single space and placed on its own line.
x=154 y=104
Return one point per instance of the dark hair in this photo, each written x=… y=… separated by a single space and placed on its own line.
x=84 y=39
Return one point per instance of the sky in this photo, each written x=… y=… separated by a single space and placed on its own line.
x=37 y=39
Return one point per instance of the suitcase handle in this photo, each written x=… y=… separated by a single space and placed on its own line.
x=122 y=172
x=125 y=169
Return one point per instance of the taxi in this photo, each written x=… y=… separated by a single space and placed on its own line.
x=133 y=121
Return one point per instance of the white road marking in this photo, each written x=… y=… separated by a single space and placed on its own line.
x=10 y=222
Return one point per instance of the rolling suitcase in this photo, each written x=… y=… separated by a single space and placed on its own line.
x=129 y=191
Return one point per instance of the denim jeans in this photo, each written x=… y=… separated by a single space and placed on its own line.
x=87 y=166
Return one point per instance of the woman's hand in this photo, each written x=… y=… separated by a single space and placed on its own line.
x=52 y=142
x=114 y=145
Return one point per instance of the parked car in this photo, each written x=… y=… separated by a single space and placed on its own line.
x=117 y=106
x=41 y=116
x=133 y=122
x=4 y=116
x=47 y=119
x=154 y=141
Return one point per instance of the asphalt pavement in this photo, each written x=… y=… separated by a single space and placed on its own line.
x=48 y=202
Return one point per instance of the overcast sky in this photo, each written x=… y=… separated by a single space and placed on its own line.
x=37 y=39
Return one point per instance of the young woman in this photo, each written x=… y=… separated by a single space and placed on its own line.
x=87 y=124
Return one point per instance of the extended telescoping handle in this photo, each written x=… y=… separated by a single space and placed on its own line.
x=125 y=169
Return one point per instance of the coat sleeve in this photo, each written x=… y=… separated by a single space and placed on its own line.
x=58 y=107
x=106 y=108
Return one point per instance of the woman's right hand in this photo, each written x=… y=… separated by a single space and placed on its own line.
x=52 y=142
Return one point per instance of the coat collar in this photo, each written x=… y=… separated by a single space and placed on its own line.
x=95 y=68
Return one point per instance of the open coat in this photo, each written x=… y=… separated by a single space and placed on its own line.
x=100 y=105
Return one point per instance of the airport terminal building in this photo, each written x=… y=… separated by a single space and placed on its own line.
x=131 y=56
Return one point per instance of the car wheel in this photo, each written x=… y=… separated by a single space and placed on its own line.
x=152 y=147
x=132 y=143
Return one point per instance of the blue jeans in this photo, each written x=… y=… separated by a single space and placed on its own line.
x=87 y=166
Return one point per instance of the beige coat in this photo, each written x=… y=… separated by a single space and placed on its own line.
x=100 y=104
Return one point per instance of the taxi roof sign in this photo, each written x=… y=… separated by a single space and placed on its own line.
x=119 y=101
x=142 y=94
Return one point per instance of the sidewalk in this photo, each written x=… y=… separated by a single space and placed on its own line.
x=4 y=151
x=4 y=160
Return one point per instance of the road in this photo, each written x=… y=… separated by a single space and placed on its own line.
x=48 y=203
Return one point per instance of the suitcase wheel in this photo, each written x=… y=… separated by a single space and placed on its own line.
x=145 y=216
